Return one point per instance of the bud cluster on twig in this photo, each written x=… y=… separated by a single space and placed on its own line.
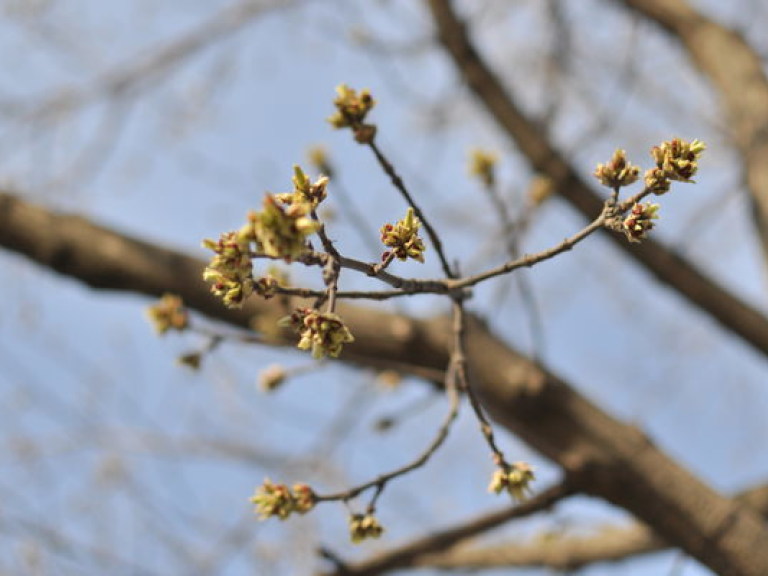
x=283 y=230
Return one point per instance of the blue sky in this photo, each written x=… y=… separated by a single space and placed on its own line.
x=105 y=440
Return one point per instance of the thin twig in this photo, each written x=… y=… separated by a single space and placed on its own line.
x=347 y=294
x=609 y=211
x=511 y=237
x=354 y=215
x=459 y=334
x=398 y=183
x=409 y=554
x=332 y=268
x=451 y=386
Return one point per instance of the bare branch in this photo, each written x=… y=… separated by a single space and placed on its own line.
x=737 y=72
x=557 y=552
x=411 y=554
x=666 y=265
x=157 y=62
x=398 y=183
x=599 y=454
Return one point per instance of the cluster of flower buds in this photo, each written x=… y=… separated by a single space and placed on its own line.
x=351 y=110
x=278 y=500
x=281 y=229
x=230 y=271
x=482 y=165
x=168 y=314
x=403 y=238
x=364 y=526
x=639 y=221
x=323 y=333
x=678 y=159
x=617 y=172
x=656 y=181
x=515 y=479
x=304 y=190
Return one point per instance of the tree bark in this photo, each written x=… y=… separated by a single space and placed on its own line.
x=600 y=455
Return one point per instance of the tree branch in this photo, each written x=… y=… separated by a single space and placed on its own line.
x=563 y=553
x=737 y=74
x=411 y=554
x=153 y=64
x=600 y=455
x=667 y=266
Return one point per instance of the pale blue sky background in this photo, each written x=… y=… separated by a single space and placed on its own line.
x=115 y=457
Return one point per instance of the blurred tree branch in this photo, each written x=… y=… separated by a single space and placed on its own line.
x=416 y=553
x=667 y=266
x=736 y=73
x=153 y=65
x=548 y=550
x=600 y=455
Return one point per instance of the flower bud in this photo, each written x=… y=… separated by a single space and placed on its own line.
x=640 y=221
x=364 y=526
x=617 y=171
x=403 y=238
x=515 y=479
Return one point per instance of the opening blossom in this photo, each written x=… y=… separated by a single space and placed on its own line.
x=304 y=190
x=351 y=110
x=230 y=271
x=403 y=238
x=678 y=159
x=278 y=500
x=281 y=231
x=640 y=221
x=324 y=333
x=617 y=171
x=515 y=479
x=351 y=107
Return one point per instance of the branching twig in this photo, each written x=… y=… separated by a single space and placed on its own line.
x=667 y=266
x=510 y=232
x=380 y=482
x=411 y=553
x=459 y=333
x=332 y=267
x=398 y=183
x=457 y=286
x=608 y=213
x=348 y=294
x=106 y=260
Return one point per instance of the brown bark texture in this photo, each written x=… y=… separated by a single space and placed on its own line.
x=600 y=455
